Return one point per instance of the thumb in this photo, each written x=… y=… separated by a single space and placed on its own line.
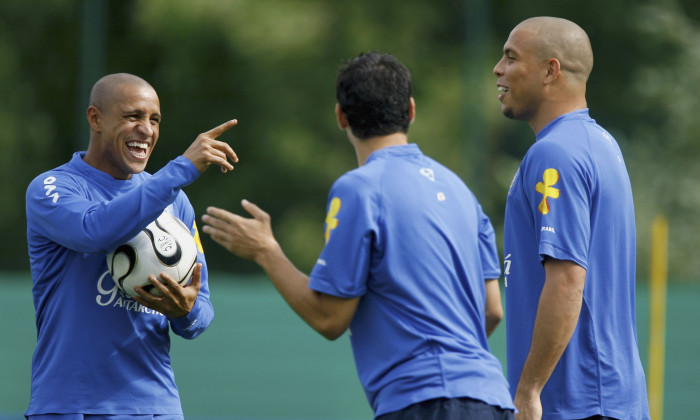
x=196 y=281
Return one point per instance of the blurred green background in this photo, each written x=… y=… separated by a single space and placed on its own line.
x=272 y=63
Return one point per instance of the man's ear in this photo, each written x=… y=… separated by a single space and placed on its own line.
x=341 y=117
x=94 y=117
x=411 y=109
x=553 y=70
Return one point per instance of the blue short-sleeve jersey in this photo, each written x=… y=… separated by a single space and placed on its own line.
x=571 y=199
x=98 y=351
x=407 y=236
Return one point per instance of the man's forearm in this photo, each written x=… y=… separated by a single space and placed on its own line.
x=557 y=316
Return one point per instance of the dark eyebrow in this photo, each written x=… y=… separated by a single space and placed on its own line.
x=139 y=112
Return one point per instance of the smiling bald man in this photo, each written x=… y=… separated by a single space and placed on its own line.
x=569 y=239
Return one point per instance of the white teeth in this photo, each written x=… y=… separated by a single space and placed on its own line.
x=143 y=149
x=137 y=144
x=503 y=89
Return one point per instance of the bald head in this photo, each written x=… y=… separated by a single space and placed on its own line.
x=562 y=39
x=124 y=118
x=108 y=90
x=543 y=71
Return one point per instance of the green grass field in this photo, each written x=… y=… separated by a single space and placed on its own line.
x=259 y=361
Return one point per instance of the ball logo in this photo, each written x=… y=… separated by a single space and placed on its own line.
x=165 y=244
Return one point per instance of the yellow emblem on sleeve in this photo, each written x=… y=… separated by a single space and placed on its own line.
x=331 y=221
x=196 y=238
x=549 y=178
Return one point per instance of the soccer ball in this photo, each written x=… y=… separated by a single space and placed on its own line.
x=165 y=245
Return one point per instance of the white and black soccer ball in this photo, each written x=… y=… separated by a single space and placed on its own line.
x=165 y=245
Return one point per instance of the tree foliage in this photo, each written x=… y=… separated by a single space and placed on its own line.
x=271 y=64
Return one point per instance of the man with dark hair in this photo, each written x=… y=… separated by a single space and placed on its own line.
x=100 y=354
x=375 y=97
x=409 y=265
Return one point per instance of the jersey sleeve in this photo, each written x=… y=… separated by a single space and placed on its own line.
x=558 y=185
x=350 y=233
x=490 y=262
x=200 y=317
x=62 y=208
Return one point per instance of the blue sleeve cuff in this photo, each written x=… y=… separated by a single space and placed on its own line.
x=191 y=171
x=552 y=251
x=190 y=321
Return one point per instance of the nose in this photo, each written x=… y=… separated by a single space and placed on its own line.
x=146 y=128
x=498 y=68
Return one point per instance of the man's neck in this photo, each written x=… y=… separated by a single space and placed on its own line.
x=557 y=105
x=364 y=148
x=543 y=120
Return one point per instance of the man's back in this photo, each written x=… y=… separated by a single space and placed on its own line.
x=418 y=332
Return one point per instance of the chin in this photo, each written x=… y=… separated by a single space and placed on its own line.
x=138 y=168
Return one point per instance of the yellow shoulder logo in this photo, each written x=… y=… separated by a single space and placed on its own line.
x=331 y=221
x=196 y=238
x=549 y=178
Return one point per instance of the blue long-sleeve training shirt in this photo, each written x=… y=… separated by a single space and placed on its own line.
x=99 y=352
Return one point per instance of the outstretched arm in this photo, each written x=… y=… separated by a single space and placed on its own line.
x=253 y=239
x=61 y=211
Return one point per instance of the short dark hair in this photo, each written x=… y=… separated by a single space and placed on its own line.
x=374 y=92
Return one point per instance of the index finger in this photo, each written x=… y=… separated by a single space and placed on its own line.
x=217 y=131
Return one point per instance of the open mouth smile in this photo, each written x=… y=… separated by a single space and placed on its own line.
x=138 y=149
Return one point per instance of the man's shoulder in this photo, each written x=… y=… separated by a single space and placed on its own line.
x=353 y=180
x=360 y=174
x=552 y=147
x=62 y=172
